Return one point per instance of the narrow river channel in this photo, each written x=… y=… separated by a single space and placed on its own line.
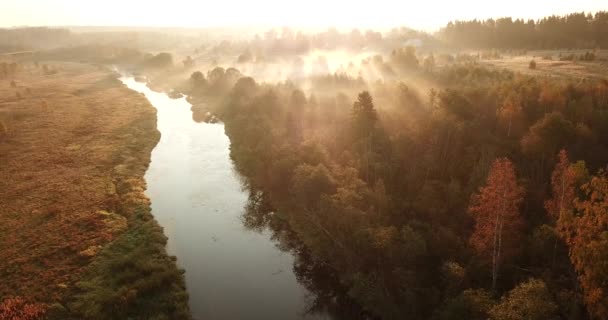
x=231 y=272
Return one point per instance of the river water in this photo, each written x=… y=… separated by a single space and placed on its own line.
x=231 y=272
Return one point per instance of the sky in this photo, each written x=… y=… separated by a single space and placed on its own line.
x=421 y=14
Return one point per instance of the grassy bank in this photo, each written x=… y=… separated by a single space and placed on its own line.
x=77 y=238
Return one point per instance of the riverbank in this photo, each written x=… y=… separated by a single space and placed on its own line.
x=77 y=239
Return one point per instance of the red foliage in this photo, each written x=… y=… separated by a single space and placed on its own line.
x=495 y=208
x=563 y=182
x=587 y=240
x=18 y=309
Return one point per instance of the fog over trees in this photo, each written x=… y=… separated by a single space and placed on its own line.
x=454 y=175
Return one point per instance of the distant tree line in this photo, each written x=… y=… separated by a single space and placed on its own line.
x=19 y=39
x=575 y=30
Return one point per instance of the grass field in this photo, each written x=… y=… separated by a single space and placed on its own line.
x=548 y=64
x=74 y=146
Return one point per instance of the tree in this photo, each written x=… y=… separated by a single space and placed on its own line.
x=549 y=134
x=563 y=181
x=197 y=79
x=364 y=115
x=188 y=62
x=586 y=234
x=532 y=65
x=471 y=304
x=309 y=183
x=530 y=300
x=161 y=60
x=245 y=57
x=429 y=63
x=496 y=213
x=404 y=58
x=366 y=137
x=510 y=116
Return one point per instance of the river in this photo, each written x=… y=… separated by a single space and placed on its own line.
x=232 y=272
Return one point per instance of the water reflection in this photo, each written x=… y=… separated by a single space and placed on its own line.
x=232 y=271
x=327 y=297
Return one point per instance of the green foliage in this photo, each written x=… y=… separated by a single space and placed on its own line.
x=472 y=304
x=529 y=300
x=310 y=182
x=133 y=278
x=376 y=188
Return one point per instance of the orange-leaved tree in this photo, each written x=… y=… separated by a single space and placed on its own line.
x=563 y=182
x=563 y=189
x=587 y=240
x=498 y=223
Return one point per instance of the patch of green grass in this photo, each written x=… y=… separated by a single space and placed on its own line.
x=132 y=278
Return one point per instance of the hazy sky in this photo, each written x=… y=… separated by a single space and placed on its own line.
x=422 y=14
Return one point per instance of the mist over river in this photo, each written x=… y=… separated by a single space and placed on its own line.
x=231 y=272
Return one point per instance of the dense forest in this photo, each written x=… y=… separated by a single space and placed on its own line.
x=576 y=30
x=459 y=202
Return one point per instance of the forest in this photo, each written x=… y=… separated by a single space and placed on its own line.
x=416 y=179
x=462 y=202
x=575 y=30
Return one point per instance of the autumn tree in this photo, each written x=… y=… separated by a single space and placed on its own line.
x=530 y=300
x=586 y=234
x=563 y=181
x=510 y=116
x=495 y=209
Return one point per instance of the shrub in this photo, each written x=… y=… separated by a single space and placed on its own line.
x=18 y=308
x=588 y=56
x=532 y=64
x=569 y=57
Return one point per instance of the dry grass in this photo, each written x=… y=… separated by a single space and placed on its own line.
x=553 y=67
x=73 y=151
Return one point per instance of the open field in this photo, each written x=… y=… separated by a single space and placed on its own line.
x=74 y=146
x=548 y=64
